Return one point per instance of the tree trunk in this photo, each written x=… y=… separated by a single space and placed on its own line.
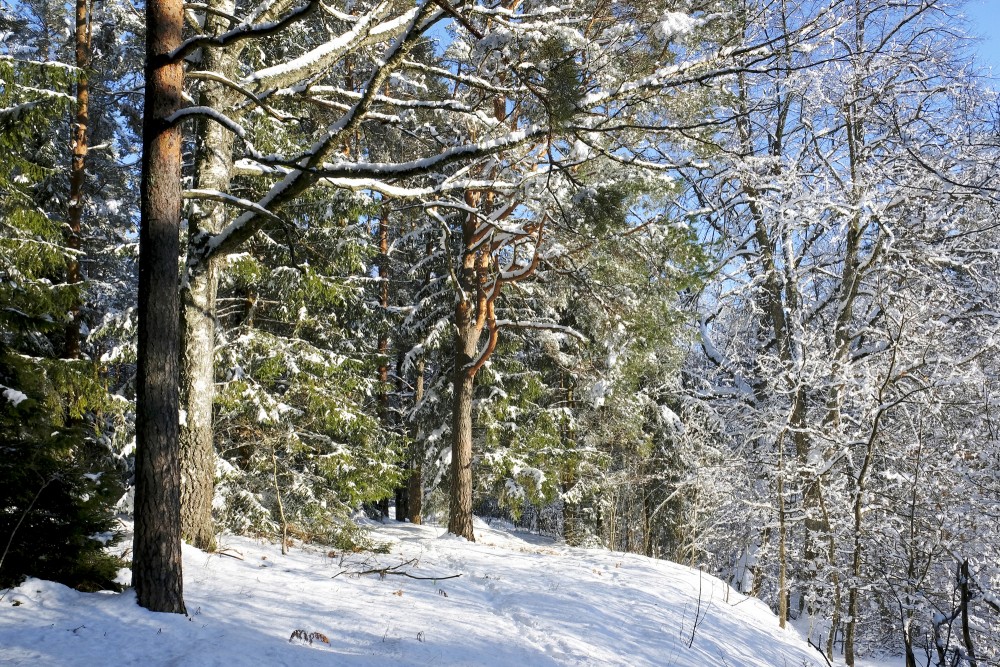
x=963 y=578
x=572 y=532
x=156 y=561
x=470 y=317
x=782 y=537
x=213 y=171
x=647 y=520
x=384 y=414
x=403 y=490
x=780 y=299
x=853 y=589
x=460 y=512
x=415 y=482
x=197 y=398
x=77 y=172
x=466 y=342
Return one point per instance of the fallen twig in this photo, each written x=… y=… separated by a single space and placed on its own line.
x=382 y=572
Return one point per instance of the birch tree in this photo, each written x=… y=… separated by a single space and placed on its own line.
x=820 y=353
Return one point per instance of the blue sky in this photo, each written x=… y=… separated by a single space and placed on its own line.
x=985 y=16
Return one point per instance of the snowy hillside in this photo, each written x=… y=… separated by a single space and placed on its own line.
x=520 y=600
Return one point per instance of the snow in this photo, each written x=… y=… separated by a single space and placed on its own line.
x=325 y=54
x=13 y=395
x=672 y=24
x=520 y=600
x=599 y=393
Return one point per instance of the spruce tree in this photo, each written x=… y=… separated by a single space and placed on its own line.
x=58 y=477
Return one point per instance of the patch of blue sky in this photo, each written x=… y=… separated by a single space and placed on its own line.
x=984 y=17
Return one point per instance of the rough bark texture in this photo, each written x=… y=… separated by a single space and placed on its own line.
x=474 y=314
x=460 y=510
x=213 y=171
x=384 y=414
x=77 y=171
x=156 y=561
x=198 y=395
x=415 y=482
x=469 y=319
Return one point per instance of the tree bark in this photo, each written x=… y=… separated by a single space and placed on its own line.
x=782 y=551
x=963 y=577
x=213 y=171
x=571 y=515
x=156 y=562
x=856 y=557
x=460 y=510
x=197 y=398
x=415 y=482
x=779 y=298
x=384 y=414
x=77 y=172
x=469 y=319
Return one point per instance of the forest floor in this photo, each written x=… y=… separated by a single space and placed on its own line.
x=520 y=600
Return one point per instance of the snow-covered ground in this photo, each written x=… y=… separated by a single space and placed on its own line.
x=520 y=600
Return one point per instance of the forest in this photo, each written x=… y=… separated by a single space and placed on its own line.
x=704 y=280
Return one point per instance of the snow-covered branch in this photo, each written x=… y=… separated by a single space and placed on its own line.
x=242 y=32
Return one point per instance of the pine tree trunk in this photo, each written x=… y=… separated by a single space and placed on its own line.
x=213 y=171
x=403 y=490
x=77 y=172
x=383 y=348
x=460 y=514
x=470 y=316
x=415 y=482
x=466 y=341
x=156 y=561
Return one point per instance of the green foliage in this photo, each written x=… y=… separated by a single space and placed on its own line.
x=562 y=80
x=58 y=478
x=59 y=483
x=524 y=444
x=604 y=209
x=32 y=256
x=296 y=424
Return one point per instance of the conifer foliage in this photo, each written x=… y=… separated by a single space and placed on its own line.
x=709 y=280
x=59 y=478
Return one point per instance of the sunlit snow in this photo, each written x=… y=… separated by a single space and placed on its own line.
x=519 y=600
